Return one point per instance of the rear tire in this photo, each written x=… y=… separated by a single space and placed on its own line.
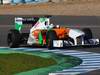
x=51 y=35
x=13 y=38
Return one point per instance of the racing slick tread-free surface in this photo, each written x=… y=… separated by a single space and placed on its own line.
x=51 y=35
x=88 y=33
x=13 y=38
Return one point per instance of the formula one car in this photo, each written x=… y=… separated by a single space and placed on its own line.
x=55 y=37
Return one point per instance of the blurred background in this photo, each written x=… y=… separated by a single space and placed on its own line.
x=43 y=1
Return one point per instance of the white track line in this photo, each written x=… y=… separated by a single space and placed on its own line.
x=91 y=61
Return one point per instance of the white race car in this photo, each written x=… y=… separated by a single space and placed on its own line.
x=54 y=37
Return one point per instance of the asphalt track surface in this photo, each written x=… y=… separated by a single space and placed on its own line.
x=93 y=22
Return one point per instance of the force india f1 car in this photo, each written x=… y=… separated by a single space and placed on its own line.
x=55 y=37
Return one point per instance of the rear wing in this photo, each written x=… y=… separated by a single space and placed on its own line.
x=19 y=21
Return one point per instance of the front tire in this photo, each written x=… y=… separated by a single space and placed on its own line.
x=88 y=33
x=50 y=37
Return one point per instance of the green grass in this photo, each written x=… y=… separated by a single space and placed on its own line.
x=16 y=62
x=34 y=63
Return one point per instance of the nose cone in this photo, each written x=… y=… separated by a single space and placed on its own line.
x=73 y=33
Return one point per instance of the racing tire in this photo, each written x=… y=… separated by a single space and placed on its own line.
x=99 y=42
x=51 y=35
x=13 y=39
x=88 y=33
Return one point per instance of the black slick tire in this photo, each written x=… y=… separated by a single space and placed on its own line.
x=13 y=38
x=51 y=35
x=88 y=33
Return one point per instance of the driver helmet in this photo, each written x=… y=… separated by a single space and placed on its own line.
x=58 y=26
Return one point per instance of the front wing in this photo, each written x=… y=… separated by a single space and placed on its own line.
x=65 y=43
